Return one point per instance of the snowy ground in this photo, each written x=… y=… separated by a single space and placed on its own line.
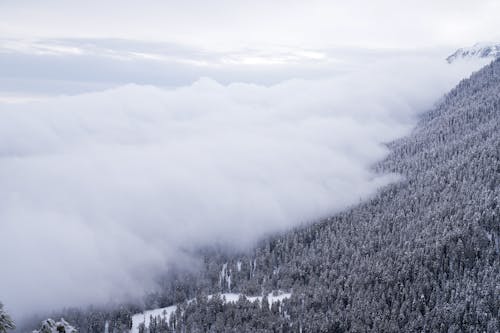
x=233 y=298
x=144 y=317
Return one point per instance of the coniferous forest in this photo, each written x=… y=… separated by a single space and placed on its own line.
x=233 y=166
x=422 y=255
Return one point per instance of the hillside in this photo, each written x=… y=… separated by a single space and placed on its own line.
x=422 y=255
x=479 y=50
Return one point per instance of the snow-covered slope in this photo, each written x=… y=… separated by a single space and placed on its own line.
x=479 y=50
x=144 y=317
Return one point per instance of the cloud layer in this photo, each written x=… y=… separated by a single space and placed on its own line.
x=48 y=67
x=100 y=191
x=224 y=23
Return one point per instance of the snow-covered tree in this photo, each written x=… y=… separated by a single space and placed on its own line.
x=423 y=254
x=6 y=322
x=51 y=326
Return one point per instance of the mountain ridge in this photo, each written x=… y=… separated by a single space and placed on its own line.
x=478 y=50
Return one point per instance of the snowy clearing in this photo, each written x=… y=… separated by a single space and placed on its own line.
x=144 y=317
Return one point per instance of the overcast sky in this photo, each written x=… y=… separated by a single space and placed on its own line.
x=226 y=24
x=56 y=47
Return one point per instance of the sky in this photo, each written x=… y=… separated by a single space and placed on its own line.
x=134 y=132
x=69 y=47
x=227 y=24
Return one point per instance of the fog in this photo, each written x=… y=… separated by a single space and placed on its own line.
x=101 y=191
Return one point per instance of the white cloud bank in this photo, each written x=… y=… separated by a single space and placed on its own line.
x=99 y=191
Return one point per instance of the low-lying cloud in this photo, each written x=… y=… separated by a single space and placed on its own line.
x=100 y=191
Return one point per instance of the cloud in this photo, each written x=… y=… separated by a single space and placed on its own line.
x=36 y=68
x=223 y=23
x=73 y=66
x=101 y=191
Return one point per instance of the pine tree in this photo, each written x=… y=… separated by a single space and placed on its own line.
x=6 y=322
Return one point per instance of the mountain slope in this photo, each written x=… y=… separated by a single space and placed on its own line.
x=423 y=255
x=479 y=50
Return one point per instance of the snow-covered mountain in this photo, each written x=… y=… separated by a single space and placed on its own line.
x=479 y=50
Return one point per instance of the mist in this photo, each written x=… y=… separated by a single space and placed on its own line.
x=102 y=191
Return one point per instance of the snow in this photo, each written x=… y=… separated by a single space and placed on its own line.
x=254 y=266
x=233 y=297
x=279 y=297
x=51 y=326
x=223 y=274
x=145 y=316
x=229 y=297
x=479 y=50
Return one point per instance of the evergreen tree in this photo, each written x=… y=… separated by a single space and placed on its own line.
x=6 y=322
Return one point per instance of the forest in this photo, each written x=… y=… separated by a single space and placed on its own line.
x=422 y=255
